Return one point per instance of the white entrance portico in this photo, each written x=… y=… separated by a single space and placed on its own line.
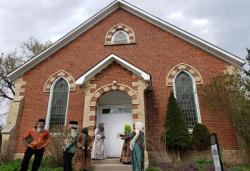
x=116 y=112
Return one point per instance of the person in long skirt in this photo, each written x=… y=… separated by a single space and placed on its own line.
x=137 y=147
x=83 y=156
x=126 y=152
x=99 y=147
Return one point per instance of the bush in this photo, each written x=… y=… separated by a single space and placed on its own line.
x=55 y=148
x=176 y=136
x=240 y=168
x=153 y=169
x=203 y=164
x=187 y=167
x=201 y=137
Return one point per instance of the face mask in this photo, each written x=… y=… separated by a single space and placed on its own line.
x=39 y=129
x=73 y=132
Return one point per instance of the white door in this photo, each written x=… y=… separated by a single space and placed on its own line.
x=114 y=119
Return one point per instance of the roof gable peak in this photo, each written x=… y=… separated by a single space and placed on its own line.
x=105 y=63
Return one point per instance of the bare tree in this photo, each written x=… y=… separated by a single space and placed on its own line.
x=32 y=47
x=8 y=63
x=11 y=61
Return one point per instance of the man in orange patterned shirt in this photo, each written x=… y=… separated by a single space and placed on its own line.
x=36 y=140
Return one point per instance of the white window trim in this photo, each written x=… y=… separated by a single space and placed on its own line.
x=190 y=130
x=47 y=125
x=113 y=36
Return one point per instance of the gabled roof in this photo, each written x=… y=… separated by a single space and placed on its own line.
x=107 y=61
x=220 y=53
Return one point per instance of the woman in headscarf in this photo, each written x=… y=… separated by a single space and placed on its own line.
x=98 y=147
x=137 y=147
x=83 y=155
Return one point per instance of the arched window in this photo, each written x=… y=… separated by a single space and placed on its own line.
x=120 y=36
x=58 y=104
x=186 y=98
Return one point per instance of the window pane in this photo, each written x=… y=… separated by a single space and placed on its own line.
x=120 y=37
x=106 y=111
x=59 y=104
x=116 y=110
x=185 y=98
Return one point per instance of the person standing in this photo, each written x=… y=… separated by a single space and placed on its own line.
x=99 y=147
x=36 y=140
x=83 y=154
x=70 y=145
x=126 y=152
x=137 y=147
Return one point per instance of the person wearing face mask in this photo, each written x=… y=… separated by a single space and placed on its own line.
x=36 y=140
x=70 y=145
x=98 y=152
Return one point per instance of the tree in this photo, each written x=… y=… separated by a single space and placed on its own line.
x=32 y=47
x=201 y=137
x=247 y=72
x=11 y=61
x=176 y=135
x=233 y=98
x=8 y=63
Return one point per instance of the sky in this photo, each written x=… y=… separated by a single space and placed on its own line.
x=225 y=23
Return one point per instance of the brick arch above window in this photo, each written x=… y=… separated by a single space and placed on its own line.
x=57 y=75
x=183 y=67
x=116 y=28
x=118 y=87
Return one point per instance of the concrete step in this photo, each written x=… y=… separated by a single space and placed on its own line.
x=111 y=164
x=112 y=167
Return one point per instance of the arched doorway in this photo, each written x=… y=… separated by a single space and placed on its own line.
x=114 y=109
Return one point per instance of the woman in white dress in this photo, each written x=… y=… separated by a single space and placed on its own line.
x=98 y=152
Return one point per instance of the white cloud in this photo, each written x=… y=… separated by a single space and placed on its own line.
x=223 y=22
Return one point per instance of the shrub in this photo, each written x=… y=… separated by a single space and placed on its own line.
x=166 y=166
x=187 y=167
x=201 y=137
x=240 y=168
x=176 y=135
x=54 y=151
x=7 y=152
x=153 y=169
x=204 y=164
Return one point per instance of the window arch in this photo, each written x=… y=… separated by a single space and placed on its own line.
x=186 y=96
x=120 y=34
x=57 y=108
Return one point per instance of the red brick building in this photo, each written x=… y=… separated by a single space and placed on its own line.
x=119 y=67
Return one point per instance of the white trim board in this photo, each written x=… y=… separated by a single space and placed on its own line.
x=220 y=53
x=107 y=61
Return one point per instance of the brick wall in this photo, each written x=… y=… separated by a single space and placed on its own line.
x=155 y=52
